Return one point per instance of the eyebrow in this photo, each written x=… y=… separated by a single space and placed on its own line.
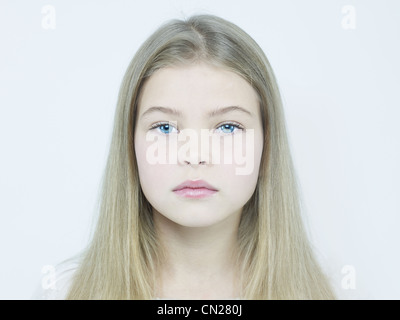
x=211 y=114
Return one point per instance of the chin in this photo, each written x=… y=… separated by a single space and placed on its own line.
x=202 y=218
x=198 y=221
x=196 y=224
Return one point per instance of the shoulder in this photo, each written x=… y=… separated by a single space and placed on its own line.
x=56 y=281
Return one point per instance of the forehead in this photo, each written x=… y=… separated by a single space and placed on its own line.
x=197 y=87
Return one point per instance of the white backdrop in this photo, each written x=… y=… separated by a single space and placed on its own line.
x=61 y=64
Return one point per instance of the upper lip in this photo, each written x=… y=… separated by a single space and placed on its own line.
x=195 y=185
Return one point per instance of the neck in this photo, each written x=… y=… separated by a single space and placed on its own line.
x=200 y=262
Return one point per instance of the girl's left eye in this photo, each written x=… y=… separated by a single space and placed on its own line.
x=229 y=128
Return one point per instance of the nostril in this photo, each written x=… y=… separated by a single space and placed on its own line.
x=200 y=162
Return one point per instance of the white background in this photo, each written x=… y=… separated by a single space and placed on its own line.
x=58 y=92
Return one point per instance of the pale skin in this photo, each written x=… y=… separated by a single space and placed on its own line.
x=198 y=235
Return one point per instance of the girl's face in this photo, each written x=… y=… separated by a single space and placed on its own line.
x=198 y=122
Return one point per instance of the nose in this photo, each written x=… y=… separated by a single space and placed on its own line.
x=200 y=162
x=194 y=151
x=194 y=158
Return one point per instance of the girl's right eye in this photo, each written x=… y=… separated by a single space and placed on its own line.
x=164 y=127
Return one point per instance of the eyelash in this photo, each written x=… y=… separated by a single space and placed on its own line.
x=234 y=124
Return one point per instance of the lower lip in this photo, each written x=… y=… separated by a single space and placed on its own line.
x=195 y=193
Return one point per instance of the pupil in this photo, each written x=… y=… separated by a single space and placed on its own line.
x=227 y=126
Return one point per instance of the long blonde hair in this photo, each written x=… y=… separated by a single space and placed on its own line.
x=276 y=259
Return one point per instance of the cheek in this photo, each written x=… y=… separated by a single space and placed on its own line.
x=240 y=181
x=152 y=176
x=238 y=188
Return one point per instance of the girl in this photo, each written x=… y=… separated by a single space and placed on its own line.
x=178 y=221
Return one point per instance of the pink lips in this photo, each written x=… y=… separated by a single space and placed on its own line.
x=195 y=189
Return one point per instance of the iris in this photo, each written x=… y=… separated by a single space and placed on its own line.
x=165 y=127
x=228 y=126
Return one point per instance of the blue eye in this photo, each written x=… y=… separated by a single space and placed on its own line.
x=229 y=128
x=165 y=128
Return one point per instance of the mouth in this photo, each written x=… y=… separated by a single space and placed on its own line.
x=195 y=189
